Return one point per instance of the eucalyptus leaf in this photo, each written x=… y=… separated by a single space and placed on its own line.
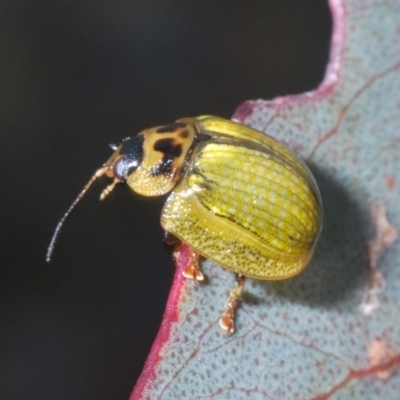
x=333 y=332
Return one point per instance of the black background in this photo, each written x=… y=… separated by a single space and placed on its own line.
x=74 y=77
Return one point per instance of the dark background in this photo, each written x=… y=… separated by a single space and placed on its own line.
x=74 y=77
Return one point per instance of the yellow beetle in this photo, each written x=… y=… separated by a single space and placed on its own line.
x=238 y=197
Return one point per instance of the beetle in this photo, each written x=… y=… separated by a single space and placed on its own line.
x=238 y=197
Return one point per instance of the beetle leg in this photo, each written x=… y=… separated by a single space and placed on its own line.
x=170 y=240
x=192 y=269
x=109 y=188
x=227 y=321
x=177 y=251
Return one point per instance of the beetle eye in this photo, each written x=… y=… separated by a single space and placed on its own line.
x=120 y=169
x=132 y=156
x=124 y=167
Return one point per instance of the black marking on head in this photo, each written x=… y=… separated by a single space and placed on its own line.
x=131 y=157
x=132 y=147
x=170 y=151
x=167 y=147
x=171 y=127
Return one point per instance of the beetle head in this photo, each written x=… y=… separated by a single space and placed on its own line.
x=165 y=150
x=150 y=163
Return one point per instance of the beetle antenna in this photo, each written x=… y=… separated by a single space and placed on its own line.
x=101 y=171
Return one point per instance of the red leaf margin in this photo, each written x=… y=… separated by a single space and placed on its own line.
x=332 y=72
x=170 y=317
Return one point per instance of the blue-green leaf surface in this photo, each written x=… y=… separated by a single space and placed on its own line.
x=332 y=332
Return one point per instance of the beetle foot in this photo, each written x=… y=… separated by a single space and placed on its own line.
x=192 y=271
x=177 y=252
x=227 y=321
